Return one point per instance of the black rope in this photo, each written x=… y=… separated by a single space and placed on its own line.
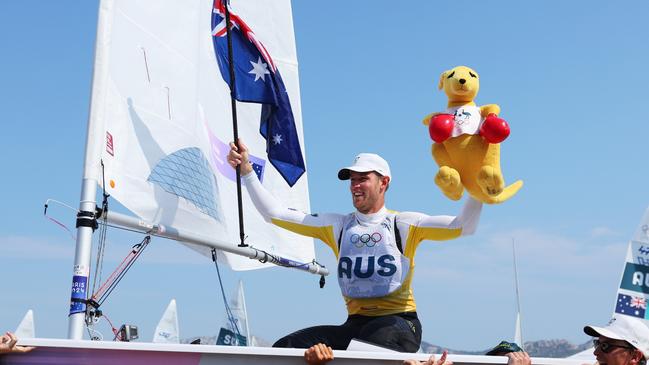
x=228 y=310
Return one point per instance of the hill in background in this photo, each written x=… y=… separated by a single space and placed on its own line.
x=542 y=348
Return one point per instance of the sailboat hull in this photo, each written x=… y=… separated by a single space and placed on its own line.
x=72 y=352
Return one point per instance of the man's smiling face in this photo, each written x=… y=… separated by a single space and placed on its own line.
x=368 y=191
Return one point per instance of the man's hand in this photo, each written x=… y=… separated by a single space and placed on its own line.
x=318 y=354
x=238 y=156
x=431 y=361
x=8 y=344
x=518 y=358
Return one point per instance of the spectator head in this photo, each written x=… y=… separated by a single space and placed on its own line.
x=503 y=348
x=624 y=340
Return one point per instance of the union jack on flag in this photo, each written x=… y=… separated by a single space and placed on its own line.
x=236 y=22
x=257 y=80
x=637 y=302
x=632 y=306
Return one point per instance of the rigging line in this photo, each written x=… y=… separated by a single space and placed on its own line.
x=98 y=336
x=112 y=328
x=56 y=221
x=89 y=333
x=72 y=236
x=100 y=257
x=140 y=248
x=112 y=276
x=101 y=248
x=47 y=203
x=228 y=310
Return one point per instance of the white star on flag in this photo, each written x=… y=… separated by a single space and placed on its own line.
x=259 y=69
x=277 y=139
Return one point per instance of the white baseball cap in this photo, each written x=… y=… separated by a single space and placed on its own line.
x=366 y=162
x=622 y=327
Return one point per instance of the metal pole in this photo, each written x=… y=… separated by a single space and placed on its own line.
x=519 y=319
x=81 y=269
x=92 y=160
x=235 y=126
x=245 y=314
x=159 y=230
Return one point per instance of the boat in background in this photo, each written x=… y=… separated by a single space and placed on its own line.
x=168 y=330
x=236 y=331
x=26 y=328
x=633 y=292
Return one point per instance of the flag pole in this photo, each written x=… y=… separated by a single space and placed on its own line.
x=235 y=127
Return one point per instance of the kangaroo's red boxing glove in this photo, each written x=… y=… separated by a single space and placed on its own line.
x=494 y=129
x=441 y=127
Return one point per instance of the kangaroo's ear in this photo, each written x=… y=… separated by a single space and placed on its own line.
x=441 y=80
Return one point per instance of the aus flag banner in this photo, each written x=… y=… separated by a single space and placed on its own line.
x=257 y=80
x=635 y=278
x=631 y=306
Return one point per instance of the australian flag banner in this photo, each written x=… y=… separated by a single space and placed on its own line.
x=635 y=306
x=257 y=80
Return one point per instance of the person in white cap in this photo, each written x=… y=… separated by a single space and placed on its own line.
x=375 y=248
x=624 y=341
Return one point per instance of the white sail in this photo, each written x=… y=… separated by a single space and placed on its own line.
x=161 y=119
x=167 y=330
x=633 y=292
x=26 y=327
x=238 y=308
x=518 y=332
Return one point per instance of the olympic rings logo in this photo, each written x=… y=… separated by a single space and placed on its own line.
x=366 y=239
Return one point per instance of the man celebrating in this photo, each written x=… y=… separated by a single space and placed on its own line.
x=375 y=248
x=624 y=341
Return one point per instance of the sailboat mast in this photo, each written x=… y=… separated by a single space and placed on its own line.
x=245 y=314
x=518 y=336
x=86 y=221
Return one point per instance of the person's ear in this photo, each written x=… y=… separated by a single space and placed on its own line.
x=637 y=356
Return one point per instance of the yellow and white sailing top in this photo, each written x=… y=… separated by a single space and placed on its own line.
x=374 y=274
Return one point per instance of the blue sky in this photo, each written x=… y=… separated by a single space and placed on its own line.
x=570 y=78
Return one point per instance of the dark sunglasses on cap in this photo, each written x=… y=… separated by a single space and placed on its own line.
x=607 y=347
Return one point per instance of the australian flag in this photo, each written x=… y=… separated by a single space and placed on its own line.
x=631 y=306
x=257 y=80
